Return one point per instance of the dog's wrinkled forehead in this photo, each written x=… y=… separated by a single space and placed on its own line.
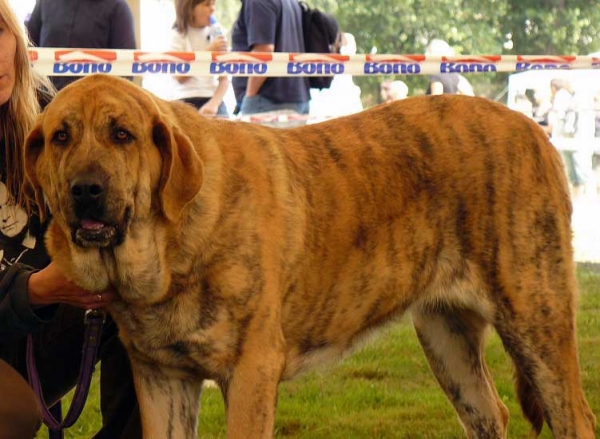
x=98 y=101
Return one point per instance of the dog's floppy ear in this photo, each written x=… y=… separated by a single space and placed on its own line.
x=34 y=144
x=182 y=170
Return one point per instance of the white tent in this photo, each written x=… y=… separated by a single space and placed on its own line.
x=584 y=80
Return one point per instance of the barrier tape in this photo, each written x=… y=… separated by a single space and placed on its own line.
x=80 y=62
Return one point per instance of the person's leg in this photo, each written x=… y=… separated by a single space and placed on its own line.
x=568 y=161
x=223 y=110
x=20 y=415
x=582 y=161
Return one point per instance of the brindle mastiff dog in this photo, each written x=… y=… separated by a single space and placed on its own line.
x=248 y=254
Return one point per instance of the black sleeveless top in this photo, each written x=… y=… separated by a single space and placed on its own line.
x=448 y=80
x=21 y=237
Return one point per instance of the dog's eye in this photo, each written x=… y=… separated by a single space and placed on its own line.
x=122 y=136
x=60 y=136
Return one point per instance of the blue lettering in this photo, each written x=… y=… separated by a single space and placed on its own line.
x=533 y=66
x=453 y=67
x=81 y=68
x=294 y=68
x=223 y=68
x=395 y=68
x=316 y=68
x=160 y=67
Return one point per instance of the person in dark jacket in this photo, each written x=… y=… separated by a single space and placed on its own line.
x=35 y=296
x=89 y=24
x=270 y=26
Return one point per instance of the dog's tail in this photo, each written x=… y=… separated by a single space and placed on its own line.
x=529 y=400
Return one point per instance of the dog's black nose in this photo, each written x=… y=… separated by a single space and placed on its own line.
x=86 y=192
x=88 y=197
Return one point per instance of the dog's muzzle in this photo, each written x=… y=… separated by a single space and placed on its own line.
x=93 y=226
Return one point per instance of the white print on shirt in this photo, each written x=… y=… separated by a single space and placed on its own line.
x=15 y=239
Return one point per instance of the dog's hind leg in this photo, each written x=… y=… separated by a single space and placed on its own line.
x=538 y=331
x=169 y=405
x=453 y=341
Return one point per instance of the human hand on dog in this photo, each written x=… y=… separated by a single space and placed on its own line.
x=50 y=285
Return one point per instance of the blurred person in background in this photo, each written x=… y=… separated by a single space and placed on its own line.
x=86 y=24
x=192 y=32
x=522 y=104
x=393 y=90
x=35 y=295
x=270 y=26
x=571 y=124
x=446 y=83
x=542 y=104
x=343 y=95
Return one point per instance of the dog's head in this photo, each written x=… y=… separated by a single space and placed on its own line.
x=106 y=153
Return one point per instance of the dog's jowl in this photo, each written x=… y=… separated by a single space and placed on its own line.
x=247 y=254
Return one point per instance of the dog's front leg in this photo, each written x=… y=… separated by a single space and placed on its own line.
x=251 y=395
x=169 y=404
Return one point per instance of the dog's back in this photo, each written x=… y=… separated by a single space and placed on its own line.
x=455 y=208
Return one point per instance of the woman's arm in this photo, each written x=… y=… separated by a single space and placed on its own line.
x=17 y=315
x=28 y=298
x=212 y=106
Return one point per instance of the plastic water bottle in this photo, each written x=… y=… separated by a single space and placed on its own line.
x=216 y=30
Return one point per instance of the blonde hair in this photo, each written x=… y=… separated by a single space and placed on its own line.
x=184 y=11
x=18 y=114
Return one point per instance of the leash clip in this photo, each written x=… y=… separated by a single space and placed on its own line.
x=94 y=315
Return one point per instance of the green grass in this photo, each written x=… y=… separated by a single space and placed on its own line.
x=387 y=391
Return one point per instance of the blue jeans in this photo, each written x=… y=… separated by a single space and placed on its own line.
x=259 y=104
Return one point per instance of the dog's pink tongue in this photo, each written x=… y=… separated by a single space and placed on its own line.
x=89 y=224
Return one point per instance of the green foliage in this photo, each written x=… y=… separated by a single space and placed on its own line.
x=555 y=27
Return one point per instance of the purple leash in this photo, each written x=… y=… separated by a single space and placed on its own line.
x=94 y=319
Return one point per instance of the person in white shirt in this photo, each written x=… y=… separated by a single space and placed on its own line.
x=343 y=96
x=191 y=33
x=571 y=120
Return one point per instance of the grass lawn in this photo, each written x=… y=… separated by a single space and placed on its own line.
x=386 y=389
